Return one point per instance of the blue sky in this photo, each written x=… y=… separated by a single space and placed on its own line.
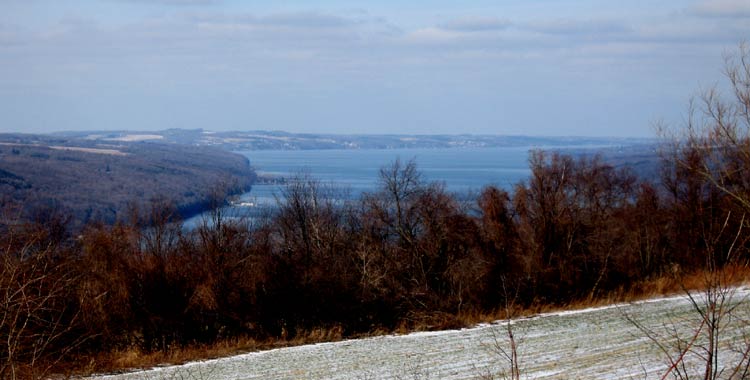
x=538 y=67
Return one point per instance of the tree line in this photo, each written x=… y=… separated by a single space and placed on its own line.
x=408 y=254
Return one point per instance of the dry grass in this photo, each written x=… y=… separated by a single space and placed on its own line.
x=134 y=358
x=655 y=287
x=662 y=286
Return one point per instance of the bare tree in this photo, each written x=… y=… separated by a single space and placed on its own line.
x=715 y=144
x=310 y=217
x=36 y=315
x=710 y=159
x=505 y=343
x=567 y=218
x=707 y=344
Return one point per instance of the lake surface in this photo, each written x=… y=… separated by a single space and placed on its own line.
x=462 y=170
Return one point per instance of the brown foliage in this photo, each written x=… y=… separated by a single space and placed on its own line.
x=569 y=219
x=38 y=321
x=408 y=255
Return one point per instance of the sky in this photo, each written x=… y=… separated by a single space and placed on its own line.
x=534 y=67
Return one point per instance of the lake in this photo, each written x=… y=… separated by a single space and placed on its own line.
x=462 y=170
x=357 y=170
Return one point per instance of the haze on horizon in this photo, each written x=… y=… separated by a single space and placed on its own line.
x=541 y=67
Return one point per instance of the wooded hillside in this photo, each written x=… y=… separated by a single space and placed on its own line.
x=100 y=182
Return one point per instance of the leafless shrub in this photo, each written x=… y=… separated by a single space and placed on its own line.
x=414 y=370
x=710 y=170
x=711 y=342
x=504 y=342
x=37 y=318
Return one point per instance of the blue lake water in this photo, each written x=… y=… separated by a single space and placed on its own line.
x=357 y=171
x=461 y=170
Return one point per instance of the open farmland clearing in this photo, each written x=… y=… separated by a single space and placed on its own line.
x=598 y=343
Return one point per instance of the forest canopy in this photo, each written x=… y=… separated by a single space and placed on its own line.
x=98 y=182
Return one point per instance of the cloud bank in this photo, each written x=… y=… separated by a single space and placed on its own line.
x=381 y=68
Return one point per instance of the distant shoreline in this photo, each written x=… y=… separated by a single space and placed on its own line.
x=280 y=140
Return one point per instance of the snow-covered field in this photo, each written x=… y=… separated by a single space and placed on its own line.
x=600 y=343
x=139 y=137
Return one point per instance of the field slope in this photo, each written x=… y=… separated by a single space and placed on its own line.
x=600 y=343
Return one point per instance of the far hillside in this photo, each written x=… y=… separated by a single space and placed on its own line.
x=639 y=154
x=93 y=181
x=280 y=140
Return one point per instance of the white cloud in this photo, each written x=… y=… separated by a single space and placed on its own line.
x=476 y=24
x=297 y=19
x=432 y=35
x=305 y=20
x=290 y=27
x=175 y=2
x=580 y=27
x=9 y=35
x=722 y=8
x=343 y=54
